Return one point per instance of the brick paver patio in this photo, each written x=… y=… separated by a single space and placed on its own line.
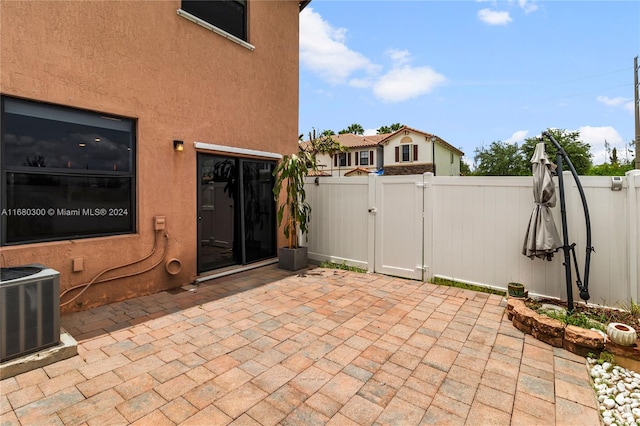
x=267 y=347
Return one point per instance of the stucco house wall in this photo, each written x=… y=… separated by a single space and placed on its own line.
x=444 y=164
x=177 y=80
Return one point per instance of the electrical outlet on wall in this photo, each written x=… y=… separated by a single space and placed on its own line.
x=159 y=223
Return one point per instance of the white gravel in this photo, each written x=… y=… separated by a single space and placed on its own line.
x=618 y=393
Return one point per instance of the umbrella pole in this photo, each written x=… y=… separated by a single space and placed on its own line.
x=565 y=236
x=584 y=288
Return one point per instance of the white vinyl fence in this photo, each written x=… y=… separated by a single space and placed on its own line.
x=471 y=229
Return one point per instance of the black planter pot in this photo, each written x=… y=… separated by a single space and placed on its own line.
x=292 y=259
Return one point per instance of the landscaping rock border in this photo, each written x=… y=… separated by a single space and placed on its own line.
x=577 y=340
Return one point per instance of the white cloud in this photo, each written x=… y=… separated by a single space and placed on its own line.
x=361 y=83
x=400 y=57
x=401 y=84
x=619 y=101
x=369 y=132
x=595 y=136
x=527 y=6
x=518 y=136
x=494 y=17
x=323 y=49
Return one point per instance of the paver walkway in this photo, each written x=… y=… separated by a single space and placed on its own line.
x=266 y=347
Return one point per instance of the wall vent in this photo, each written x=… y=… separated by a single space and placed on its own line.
x=29 y=310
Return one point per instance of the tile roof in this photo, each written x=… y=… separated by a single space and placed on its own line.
x=359 y=170
x=350 y=140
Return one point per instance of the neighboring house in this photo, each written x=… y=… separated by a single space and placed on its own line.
x=139 y=137
x=409 y=151
x=403 y=152
x=364 y=153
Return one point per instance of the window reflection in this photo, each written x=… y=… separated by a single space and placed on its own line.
x=65 y=173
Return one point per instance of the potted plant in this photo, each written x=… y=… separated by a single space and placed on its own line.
x=290 y=172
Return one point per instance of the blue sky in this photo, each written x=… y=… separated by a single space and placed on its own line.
x=472 y=72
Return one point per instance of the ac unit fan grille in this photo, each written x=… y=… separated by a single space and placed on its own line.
x=29 y=313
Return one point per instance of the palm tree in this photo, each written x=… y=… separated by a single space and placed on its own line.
x=354 y=128
x=389 y=129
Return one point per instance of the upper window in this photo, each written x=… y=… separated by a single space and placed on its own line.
x=406 y=152
x=65 y=173
x=342 y=159
x=364 y=158
x=227 y=15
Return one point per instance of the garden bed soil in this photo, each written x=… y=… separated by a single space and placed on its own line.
x=601 y=314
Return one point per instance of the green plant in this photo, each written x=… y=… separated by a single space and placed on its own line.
x=633 y=308
x=606 y=357
x=457 y=284
x=291 y=171
x=577 y=319
x=343 y=266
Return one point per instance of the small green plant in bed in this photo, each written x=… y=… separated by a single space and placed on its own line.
x=343 y=266
x=457 y=284
x=577 y=319
x=589 y=316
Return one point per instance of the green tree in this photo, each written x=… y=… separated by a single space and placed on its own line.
x=354 y=128
x=577 y=150
x=500 y=159
x=614 y=156
x=322 y=143
x=465 y=170
x=610 y=169
x=389 y=129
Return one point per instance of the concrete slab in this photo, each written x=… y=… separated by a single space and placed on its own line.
x=67 y=348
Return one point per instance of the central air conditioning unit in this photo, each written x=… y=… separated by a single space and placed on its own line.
x=29 y=310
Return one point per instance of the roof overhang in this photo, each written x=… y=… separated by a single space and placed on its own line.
x=303 y=3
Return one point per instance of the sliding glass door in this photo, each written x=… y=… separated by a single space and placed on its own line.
x=236 y=211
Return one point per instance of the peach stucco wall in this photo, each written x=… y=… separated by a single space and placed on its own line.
x=140 y=59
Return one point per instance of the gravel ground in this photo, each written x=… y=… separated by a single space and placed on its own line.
x=618 y=393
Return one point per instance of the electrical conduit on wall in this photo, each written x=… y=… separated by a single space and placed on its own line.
x=95 y=280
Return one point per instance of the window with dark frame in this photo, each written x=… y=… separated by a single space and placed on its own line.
x=228 y=15
x=65 y=173
x=342 y=159
x=364 y=158
x=406 y=152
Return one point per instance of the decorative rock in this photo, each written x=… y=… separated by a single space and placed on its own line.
x=583 y=337
x=618 y=404
x=521 y=326
x=577 y=349
x=523 y=314
x=609 y=403
x=547 y=338
x=549 y=326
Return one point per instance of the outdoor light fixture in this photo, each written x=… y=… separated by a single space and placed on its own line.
x=178 y=146
x=616 y=183
x=316 y=181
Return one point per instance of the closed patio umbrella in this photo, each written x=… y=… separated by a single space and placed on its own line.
x=542 y=238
